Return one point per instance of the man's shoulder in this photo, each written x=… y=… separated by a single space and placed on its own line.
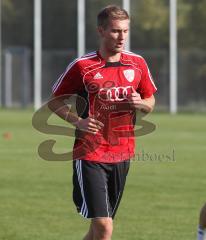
x=127 y=55
x=86 y=60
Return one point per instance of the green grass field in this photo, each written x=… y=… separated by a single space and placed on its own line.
x=161 y=200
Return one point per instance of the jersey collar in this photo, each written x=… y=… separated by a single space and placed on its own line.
x=103 y=60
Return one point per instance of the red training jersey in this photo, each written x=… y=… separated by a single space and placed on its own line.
x=103 y=89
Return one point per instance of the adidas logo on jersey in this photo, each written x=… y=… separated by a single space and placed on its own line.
x=98 y=76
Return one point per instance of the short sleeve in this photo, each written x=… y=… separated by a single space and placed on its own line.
x=146 y=87
x=70 y=82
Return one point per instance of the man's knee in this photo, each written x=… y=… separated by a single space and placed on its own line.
x=102 y=228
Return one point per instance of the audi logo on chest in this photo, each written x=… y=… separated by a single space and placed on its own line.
x=115 y=93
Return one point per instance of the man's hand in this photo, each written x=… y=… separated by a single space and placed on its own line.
x=145 y=105
x=135 y=99
x=89 y=124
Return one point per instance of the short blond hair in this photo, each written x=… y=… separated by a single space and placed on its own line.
x=113 y=12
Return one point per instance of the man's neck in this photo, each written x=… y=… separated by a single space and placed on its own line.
x=110 y=56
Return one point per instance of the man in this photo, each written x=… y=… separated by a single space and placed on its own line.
x=114 y=84
x=201 y=234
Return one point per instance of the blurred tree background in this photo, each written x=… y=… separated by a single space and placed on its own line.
x=149 y=37
x=149 y=23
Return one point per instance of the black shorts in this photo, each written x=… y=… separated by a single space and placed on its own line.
x=98 y=187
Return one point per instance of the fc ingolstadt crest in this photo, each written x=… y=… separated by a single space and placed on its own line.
x=129 y=74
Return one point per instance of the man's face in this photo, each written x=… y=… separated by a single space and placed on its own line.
x=114 y=36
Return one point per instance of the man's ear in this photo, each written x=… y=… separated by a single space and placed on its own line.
x=100 y=31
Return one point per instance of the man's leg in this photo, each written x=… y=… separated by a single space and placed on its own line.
x=202 y=221
x=89 y=235
x=201 y=235
x=102 y=228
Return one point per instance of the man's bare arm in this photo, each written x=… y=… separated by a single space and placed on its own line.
x=145 y=105
x=148 y=104
x=89 y=124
